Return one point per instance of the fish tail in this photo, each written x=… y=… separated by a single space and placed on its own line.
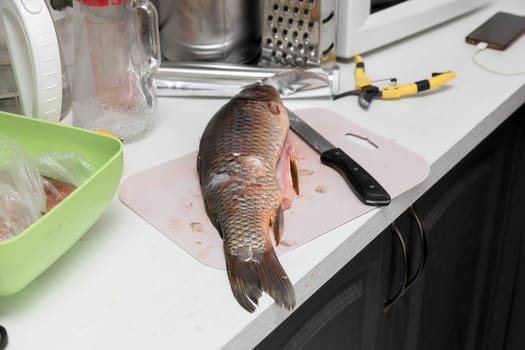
x=248 y=279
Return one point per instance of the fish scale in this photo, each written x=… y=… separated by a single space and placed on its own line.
x=237 y=164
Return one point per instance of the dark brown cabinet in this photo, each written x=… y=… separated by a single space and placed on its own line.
x=341 y=315
x=463 y=217
x=464 y=297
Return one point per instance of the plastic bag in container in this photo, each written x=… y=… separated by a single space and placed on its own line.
x=31 y=186
x=22 y=196
x=68 y=167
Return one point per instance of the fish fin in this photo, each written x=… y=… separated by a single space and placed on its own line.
x=213 y=218
x=244 y=281
x=218 y=226
x=277 y=225
x=248 y=279
x=274 y=280
x=295 y=175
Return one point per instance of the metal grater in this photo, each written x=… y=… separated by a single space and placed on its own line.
x=299 y=33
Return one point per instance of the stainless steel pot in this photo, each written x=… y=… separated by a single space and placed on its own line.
x=210 y=30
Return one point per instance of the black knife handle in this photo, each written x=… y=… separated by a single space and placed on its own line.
x=363 y=184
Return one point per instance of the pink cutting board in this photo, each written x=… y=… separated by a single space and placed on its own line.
x=168 y=196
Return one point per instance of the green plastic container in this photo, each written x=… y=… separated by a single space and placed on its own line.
x=25 y=256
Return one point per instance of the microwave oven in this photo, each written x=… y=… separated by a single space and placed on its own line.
x=363 y=25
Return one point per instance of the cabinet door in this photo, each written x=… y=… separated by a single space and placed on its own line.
x=504 y=327
x=461 y=215
x=343 y=314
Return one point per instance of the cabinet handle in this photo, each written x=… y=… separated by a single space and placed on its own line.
x=397 y=234
x=423 y=242
x=3 y=338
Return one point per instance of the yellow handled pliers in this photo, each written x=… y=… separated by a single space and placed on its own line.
x=367 y=91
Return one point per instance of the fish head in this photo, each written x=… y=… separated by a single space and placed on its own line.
x=268 y=95
x=260 y=92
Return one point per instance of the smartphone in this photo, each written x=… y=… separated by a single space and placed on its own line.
x=499 y=31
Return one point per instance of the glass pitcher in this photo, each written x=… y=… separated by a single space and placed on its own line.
x=117 y=54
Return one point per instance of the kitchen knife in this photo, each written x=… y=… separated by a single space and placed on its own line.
x=367 y=189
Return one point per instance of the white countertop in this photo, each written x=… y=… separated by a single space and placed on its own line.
x=125 y=285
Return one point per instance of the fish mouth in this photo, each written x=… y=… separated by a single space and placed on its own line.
x=259 y=92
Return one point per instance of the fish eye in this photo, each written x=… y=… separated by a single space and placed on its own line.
x=275 y=109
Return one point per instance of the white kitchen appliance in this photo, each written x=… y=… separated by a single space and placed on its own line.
x=363 y=25
x=31 y=50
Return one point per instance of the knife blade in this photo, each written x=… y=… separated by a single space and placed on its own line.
x=367 y=189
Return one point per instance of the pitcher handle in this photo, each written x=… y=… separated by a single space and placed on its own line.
x=153 y=29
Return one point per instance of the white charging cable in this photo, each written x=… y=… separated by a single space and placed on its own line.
x=481 y=47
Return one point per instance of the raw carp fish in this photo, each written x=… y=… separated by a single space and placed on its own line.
x=248 y=174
